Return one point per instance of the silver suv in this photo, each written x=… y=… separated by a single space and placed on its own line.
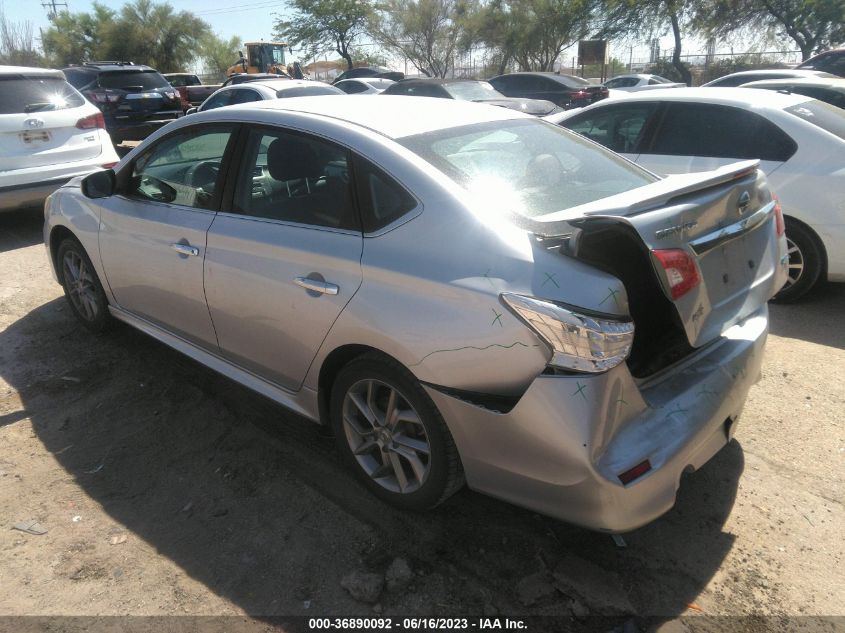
x=463 y=293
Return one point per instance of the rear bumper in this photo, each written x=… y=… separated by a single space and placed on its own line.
x=31 y=194
x=561 y=449
x=129 y=130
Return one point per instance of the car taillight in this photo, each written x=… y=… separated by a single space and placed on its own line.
x=681 y=271
x=780 y=226
x=579 y=342
x=92 y=122
x=580 y=94
x=102 y=97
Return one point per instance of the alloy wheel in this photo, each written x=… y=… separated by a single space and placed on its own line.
x=386 y=436
x=80 y=284
x=796 y=262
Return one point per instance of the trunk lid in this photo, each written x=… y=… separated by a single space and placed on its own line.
x=724 y=221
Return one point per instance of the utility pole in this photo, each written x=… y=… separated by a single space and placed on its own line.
x=52 y=8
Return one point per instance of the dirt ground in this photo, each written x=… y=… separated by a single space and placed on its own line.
x=167 y=489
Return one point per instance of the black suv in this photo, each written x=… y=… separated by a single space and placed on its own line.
x=135 y=100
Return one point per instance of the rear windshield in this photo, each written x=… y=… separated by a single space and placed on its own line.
x=826 y=116
x=133 y=80
x=472 y=90
x=572 y=80
x=527 y=167
x=183 y=80
x=309 y=91
x=20 y=94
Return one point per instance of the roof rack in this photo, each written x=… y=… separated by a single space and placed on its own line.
x=108 y=62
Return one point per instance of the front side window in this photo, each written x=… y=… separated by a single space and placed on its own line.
x=20 y=95
x=526 y=167
x=618 y=127
x=295 y=178
x=702 y=129
x=244 y=95
x=217 y=100
x=622 y=82
x=182 y=169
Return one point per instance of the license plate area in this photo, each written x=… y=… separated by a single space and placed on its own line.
x=34 y=137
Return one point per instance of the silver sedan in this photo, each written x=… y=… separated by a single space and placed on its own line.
x=463 y=293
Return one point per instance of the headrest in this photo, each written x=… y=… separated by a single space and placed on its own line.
x=292 y=159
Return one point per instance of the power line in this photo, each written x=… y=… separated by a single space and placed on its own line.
x=264 y=4
x=51 y=6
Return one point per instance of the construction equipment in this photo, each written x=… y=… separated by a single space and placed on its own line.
x=261 y=57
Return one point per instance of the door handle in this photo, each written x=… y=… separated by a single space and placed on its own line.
x=316 y=285
x=185 y=249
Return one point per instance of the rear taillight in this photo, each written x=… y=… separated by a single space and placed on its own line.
x=92 y=122
x=780 y=226
x=580 y=94
x=101 y=97
x=681 y=271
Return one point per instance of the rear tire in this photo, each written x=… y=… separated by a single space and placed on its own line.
x=391 y=435
x=805 y=262
x=82 y=287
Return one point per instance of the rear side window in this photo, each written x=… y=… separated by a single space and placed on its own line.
x=136 y=80
x=622 y=82
x=352 y=87
x=700 y=129
x=244 y=95
x=827 y=117
x=20 y=94
x=833 y=97
x=218 y=100
x=618 y=127
x=382 y=199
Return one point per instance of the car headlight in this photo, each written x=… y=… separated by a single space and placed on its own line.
x=579 y=342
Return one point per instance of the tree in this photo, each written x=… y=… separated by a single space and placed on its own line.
x=645 y=17
x=812 y=24
x=321 y=25
x=144 y=32
x=426 y=32
x=17 y=44
x=217 y=54
x=534 y=33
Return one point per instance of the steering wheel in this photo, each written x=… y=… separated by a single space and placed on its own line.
x=203 y=175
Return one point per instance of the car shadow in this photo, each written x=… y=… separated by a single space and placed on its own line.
x=816 y=317
x=252 y=501
x=19 y=229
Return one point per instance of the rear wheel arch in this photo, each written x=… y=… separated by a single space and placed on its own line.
x=811 y=256
x=791 y=219
x=336 y=360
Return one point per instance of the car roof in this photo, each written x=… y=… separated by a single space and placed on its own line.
x=418 y=114
x=727 y=96
x=437 y=80
x=273 y=84
x=816 y=82
x=30 y=72
x=793 y=72
x=113 y=66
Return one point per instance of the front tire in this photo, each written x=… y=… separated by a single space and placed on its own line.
x=392 y=436
x=82 y=287
x=805 y=262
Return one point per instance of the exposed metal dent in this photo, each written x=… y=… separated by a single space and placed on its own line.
x=303 y=402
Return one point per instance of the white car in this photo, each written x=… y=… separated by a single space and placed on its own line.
x=747 y=76
x=638 y=82
x=364 y=85
x=264 y=90
x=800 y=143
x=49 y=134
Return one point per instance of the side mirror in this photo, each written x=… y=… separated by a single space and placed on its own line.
x=192 y=110
x=100 y=184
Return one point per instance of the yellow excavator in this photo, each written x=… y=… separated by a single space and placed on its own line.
x=262 y=57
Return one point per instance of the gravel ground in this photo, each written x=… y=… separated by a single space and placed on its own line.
x=167 y=489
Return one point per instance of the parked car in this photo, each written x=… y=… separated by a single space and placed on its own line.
x=363 y=86
x=463 y=293
x=49 y=133
x=135 y=100
x=829 y=61
x=747 y=76
x=468 y=90
x=192 y=91
x=242 y=78
x=371 y=72
x=800 y=142
x=566 y=91
x=830 y=91
x=264 y=90
x=637 y=82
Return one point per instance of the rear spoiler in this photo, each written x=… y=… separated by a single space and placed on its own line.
x=650 y=196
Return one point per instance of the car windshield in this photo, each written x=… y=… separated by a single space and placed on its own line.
x=472 y=90
x=824 y=115
x=308 y=91
x=528 y=167
x=20 y=94
x=135 y=79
